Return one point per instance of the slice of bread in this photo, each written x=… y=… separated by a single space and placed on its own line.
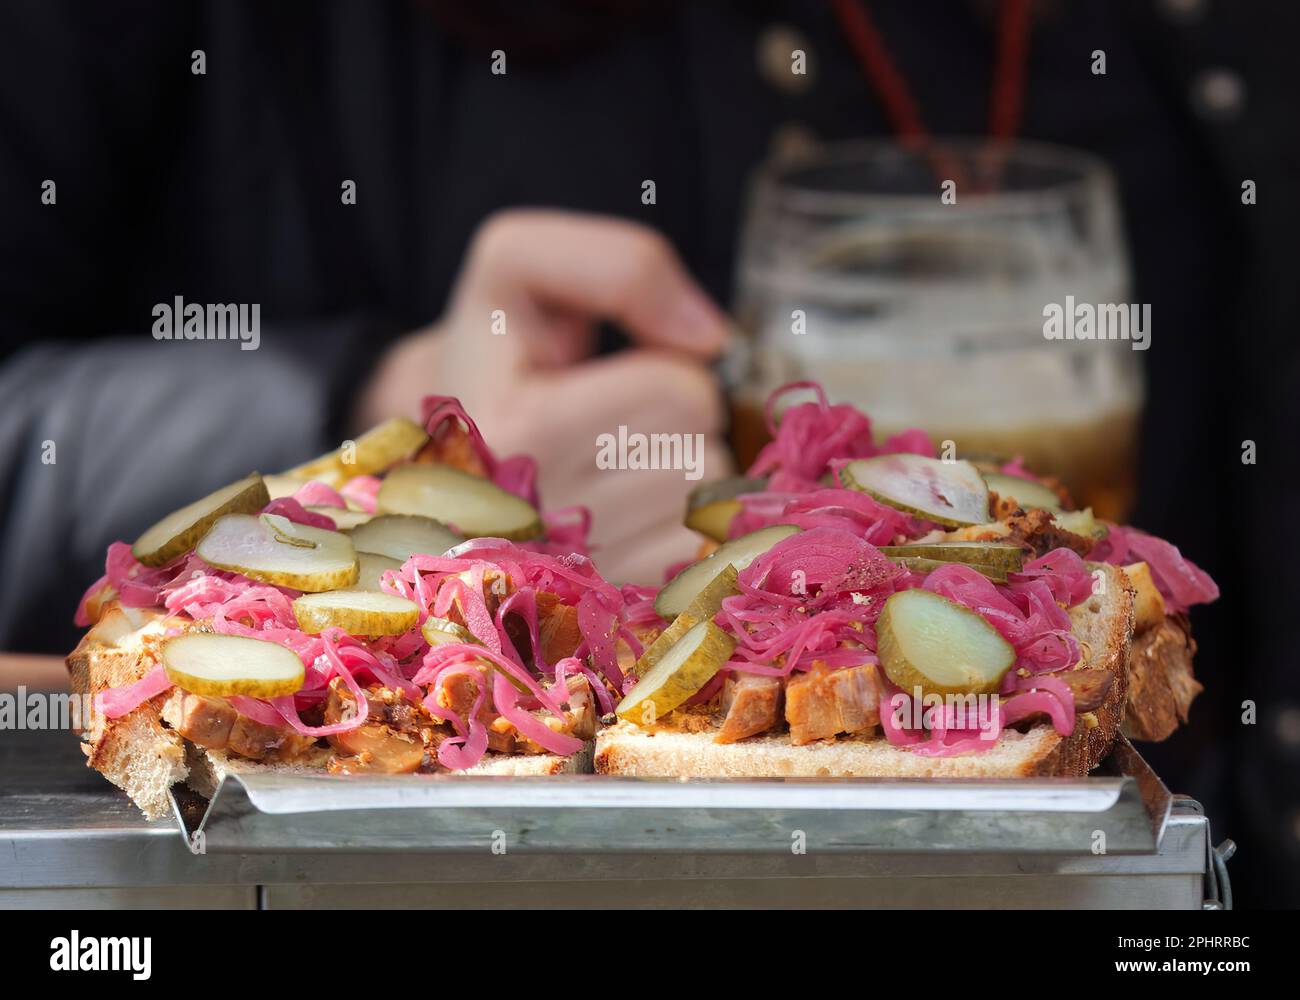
x=207 y=768
x=141 y=755
x=1103 y=624
x=136 y=752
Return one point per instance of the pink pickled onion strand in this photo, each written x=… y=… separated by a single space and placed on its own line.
x=117 y=702
x=507 y=703
x=809 y=435
x=294 y=511
x=362 y=491
x=1019 y=706
x=1180 y=581
x=317 y=494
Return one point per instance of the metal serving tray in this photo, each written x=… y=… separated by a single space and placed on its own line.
x=1121 y=811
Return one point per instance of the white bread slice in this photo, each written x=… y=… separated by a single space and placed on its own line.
x=135 y=752
x=1103 y=624
x=207 y=768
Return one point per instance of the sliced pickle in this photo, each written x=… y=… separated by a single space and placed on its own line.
x=400 y=536
x=1148 y=604
x=241 y=543
x=711 y=506
x=1008 y=558
x=1025 y=492
x=1081 y=522
x=374 y=451
x=357 y=612
x=477 y=507
x=279 y=486
x=678 y=592
x=948 y=493
x=285 y=531
x=371 y=569
x=707 y=603
x=344 y=519
x=223 y=665
x=181 y=530
x=929 y=642
x=680 y=673
x=441 y=631
x=926 y=566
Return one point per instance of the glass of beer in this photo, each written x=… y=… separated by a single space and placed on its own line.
x=920 y=285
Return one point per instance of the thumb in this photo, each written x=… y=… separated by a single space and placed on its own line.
x=594 y=267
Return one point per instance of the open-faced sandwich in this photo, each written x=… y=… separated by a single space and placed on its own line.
x=874 y=609
x=400 y=605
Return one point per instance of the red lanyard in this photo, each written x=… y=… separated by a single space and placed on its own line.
x=1006 y=95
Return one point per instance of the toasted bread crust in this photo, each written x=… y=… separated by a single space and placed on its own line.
x=1161 y=685
x=136 y=752
x=1103 y=625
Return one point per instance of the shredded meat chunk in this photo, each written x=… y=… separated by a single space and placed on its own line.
x=753 y=705
x=822 y=702
x=203 y=721
x=1033 y=530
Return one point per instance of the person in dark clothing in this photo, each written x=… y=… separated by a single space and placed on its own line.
x=231 y=185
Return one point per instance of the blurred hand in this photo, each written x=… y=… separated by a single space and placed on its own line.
x=551 y=277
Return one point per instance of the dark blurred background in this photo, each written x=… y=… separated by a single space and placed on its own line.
x=224 y=187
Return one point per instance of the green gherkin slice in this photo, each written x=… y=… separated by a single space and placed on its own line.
x=711 y=506
x=949 y=493
x=680 y=673
x=182 y=529
x=1025 y=492
x=241 y=543
x=477 y=507
x=1081 y=522
x=927 y=566
x=930 y=643
x=1007 y=558
x=707 y=603
x=676 y=595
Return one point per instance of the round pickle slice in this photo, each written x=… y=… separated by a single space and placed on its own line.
x=1007 y=558
x=677 y=594
x=374 y=451
x=1024 y=491
x=929 y=642
x=301 y=557
x=371 y=569
x=927 y=566
x=441 y=631
x=343 y=518
x=952 y=494
x=477 y=507
x=223 y=665
x=680 y=673
x=707 y=603
x=364 y=613
x=1081 y=522
x=400 y=536
x=181 y=530
x=711 y=506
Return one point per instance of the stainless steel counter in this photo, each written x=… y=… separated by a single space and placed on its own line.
x=68 y=839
